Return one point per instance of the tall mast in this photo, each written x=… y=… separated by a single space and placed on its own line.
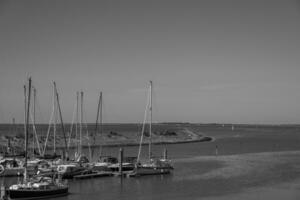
x=101 y=119
x=54 y=121
x=77 y=121
x=81 y=120
x=25 y=109
x=27 y=129
x=150 y=125
x=143 y=128
x=34 y=101
x=99 y=112
x=61 y=121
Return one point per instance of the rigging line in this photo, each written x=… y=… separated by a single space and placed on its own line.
x=39 y=110
x=99 y=112
x=66 y=154
x=33 y=120
x=71 y=128
x=143 y=127
x=48 y=132
x=102 y=110
x=35 y=134
x=155 y=105
x=50 y=123
x=97 y=118
x=87 y=135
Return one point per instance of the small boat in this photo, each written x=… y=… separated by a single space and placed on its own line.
x=153 y=166
x=34 y=188
x=44 y=187
x=11 y=167
x=128 y=164
x=14 y=167
x=44 y=167
x=68 y=171
x=104 y=163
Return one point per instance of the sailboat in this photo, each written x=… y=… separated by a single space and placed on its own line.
x=154 y=166
x=38 y=187
x=77 y=167
x=9 y=164
x=52 y=124
x=12 y=165
x=104 y=161
x=109 y=163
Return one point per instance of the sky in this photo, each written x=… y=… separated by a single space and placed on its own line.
x=211 y=61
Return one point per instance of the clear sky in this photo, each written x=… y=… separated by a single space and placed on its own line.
x=210 y=61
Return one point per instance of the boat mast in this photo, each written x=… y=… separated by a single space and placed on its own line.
x=101 y=119
x=61 y=121
x=150 y=125
x=99 y=112
x=33 y=125
x=143 y=128
x=81 y=121
x=27 y=129
x=77 y=123
x=25 y=109
x=54 y=121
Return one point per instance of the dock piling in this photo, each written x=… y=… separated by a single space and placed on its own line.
x=121 y=162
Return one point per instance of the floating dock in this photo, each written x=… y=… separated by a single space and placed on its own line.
x=93 y=175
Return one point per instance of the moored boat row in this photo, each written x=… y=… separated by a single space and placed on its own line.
x=44 y=173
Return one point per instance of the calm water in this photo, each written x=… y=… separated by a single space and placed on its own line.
x=177 y=186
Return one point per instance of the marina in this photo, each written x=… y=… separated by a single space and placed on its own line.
x=45 y=179
x=149 y=100
x=199 y=172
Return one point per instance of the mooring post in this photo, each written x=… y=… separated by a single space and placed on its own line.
x=2 y=190
x=165 y=154
x=121 y=162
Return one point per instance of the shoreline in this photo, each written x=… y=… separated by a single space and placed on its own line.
x=129 y=144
